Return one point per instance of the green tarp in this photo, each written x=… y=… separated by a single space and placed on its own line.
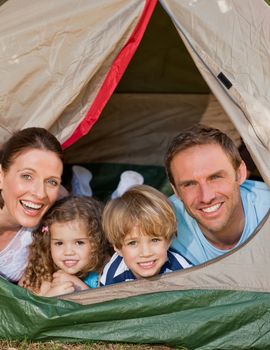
x=195 y=319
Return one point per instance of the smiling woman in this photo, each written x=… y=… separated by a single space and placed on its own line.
x=30 y=178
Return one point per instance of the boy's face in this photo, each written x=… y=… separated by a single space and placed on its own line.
x=144 y=255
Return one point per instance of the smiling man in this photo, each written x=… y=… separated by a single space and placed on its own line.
x=217 y=208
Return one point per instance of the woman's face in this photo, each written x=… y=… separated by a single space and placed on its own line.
x=30 y=186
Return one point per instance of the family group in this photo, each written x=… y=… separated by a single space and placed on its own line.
x=53 y=243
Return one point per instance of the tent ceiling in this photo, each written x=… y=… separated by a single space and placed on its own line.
x=162 y=63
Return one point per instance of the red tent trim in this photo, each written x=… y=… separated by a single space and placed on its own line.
x=114 y=75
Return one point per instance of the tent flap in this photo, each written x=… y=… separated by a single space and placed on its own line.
x=196 y=319
x=243 y=59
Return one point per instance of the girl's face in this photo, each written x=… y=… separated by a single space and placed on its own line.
x=144 y=255
x=30 y=186
x=70 y=246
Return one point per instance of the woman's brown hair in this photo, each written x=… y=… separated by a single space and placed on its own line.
x=27 y=139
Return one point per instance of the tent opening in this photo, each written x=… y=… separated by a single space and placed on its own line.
x=160 y=93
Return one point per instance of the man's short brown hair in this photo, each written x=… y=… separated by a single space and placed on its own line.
x=200 y=135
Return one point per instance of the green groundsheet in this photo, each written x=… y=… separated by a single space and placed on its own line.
x=196 y=319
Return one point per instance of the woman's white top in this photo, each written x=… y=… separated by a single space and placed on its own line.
x=14 y=257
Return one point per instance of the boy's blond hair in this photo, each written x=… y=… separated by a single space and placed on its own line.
x=143 y=206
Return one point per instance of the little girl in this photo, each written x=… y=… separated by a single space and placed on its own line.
x=68 y=250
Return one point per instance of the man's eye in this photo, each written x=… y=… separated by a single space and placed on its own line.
x=156 y=239
x=188 y=184
x=215 y=177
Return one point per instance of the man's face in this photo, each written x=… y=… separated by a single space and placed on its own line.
x=208 y=185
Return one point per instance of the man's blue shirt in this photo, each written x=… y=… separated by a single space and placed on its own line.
x=190 y=241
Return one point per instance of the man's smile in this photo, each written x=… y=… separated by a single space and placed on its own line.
x=212 y=208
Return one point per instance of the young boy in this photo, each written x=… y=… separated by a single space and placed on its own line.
x=140 y=225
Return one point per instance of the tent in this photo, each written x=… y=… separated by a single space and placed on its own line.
x=60 y=64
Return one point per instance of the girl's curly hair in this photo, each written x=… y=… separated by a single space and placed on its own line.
x=40 y=264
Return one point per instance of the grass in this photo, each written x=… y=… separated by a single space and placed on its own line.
x=15 y=345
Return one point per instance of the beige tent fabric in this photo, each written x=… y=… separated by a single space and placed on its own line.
x=216 y=117
x=136 y=128
x=215 y=34
x=245 y=268
x=54 y=56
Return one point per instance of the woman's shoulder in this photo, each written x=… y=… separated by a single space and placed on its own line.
x=25 y=231
x=13 y=258
x=21 y=240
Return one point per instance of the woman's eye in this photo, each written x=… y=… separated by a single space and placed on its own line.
x=58 y=243
x=131 y=243
x=80 y=242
